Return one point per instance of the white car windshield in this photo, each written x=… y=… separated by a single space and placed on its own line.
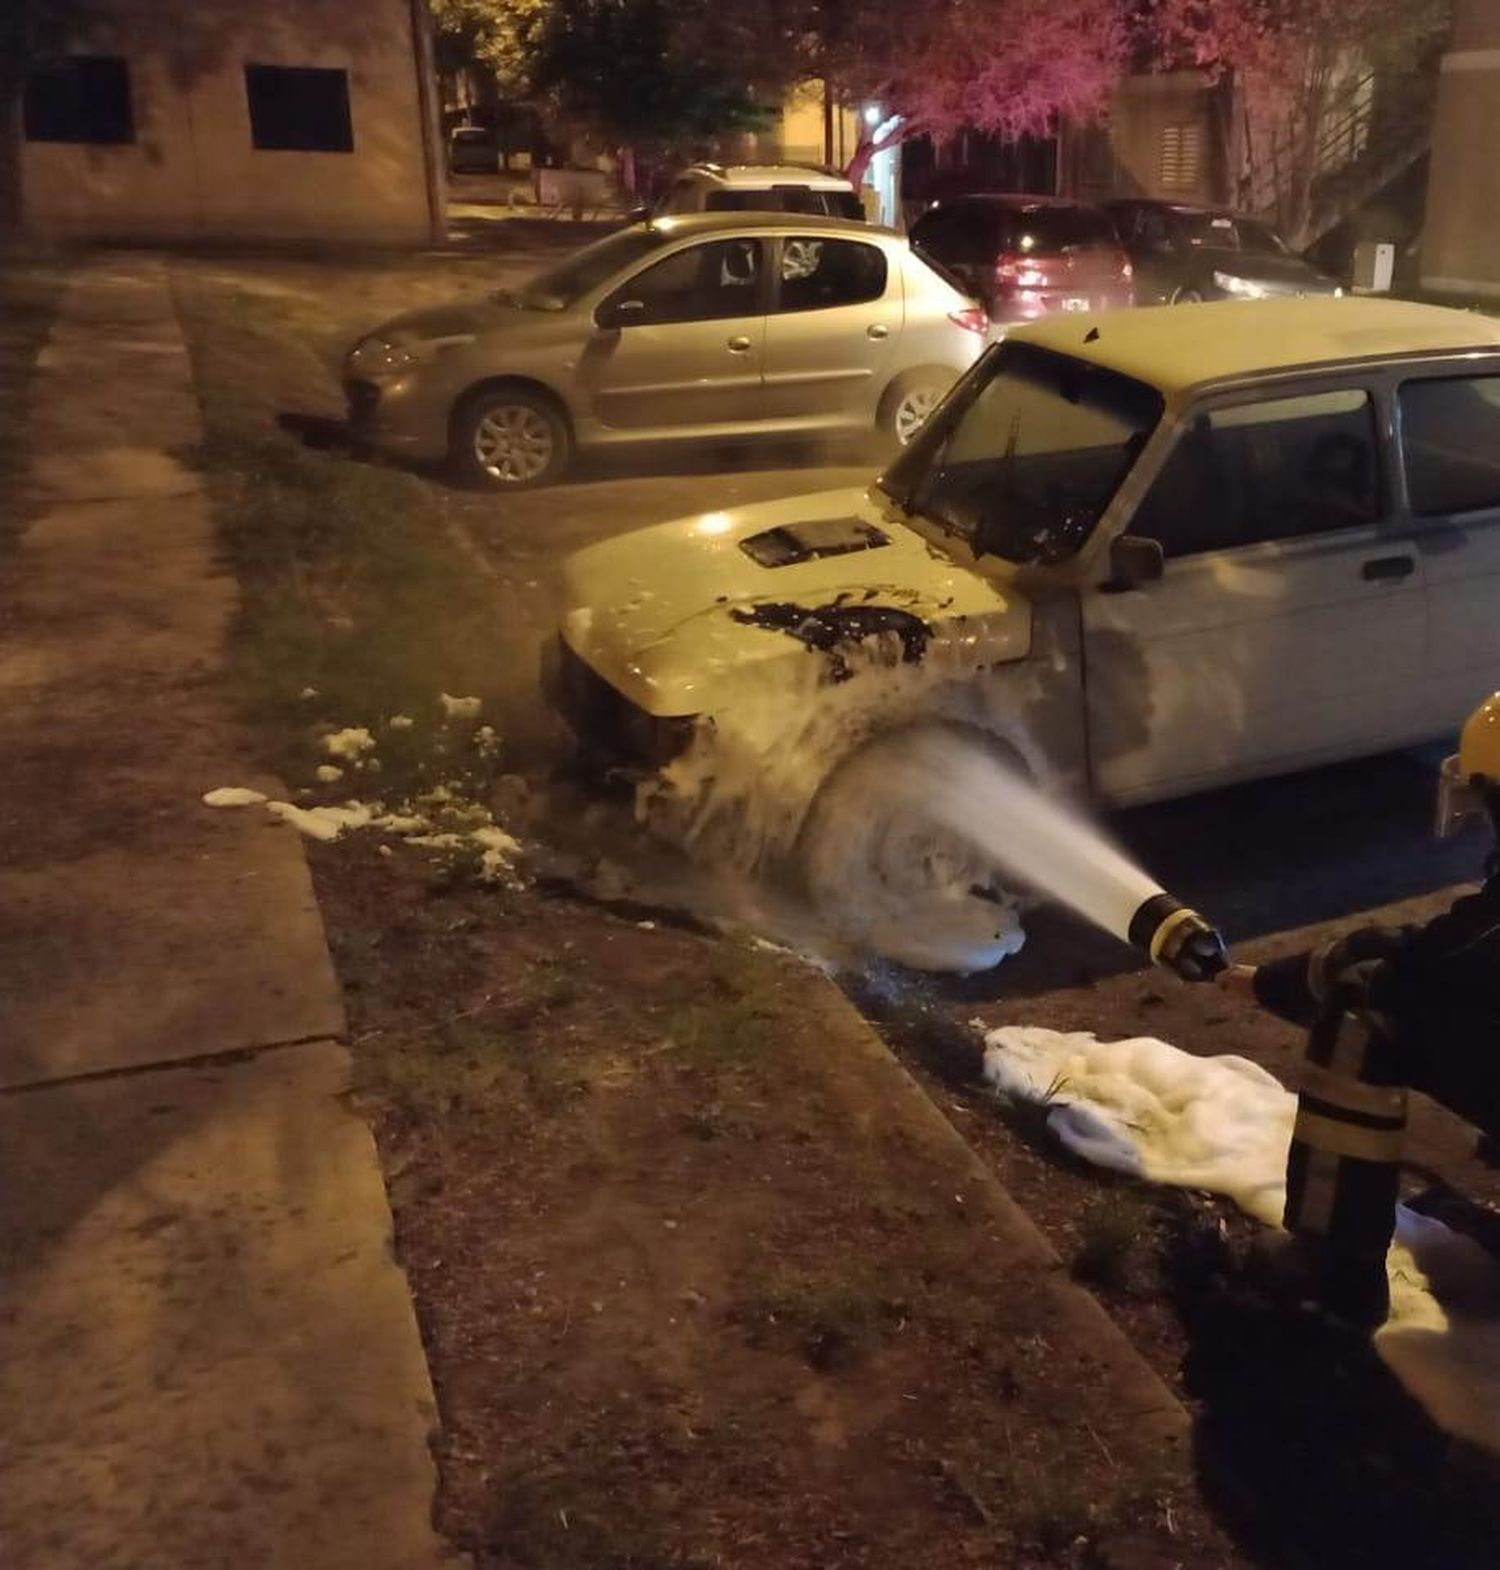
x=1028 y=455
x=584 y=271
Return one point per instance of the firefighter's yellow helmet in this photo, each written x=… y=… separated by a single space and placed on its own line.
x=1474 y=766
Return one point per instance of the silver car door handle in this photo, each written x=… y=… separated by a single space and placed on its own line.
x=1386 y=567
x=877 y=330
x=738 y=345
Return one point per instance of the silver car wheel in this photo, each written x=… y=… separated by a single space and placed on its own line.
x=912 y=412
x=515 y=443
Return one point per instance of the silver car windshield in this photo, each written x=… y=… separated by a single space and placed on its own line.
x=584 y=271
x=1024 y=460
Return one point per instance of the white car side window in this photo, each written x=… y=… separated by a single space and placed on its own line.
x=1450 y=441
x=1277 y=469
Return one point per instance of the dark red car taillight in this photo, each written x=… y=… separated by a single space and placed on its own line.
x=1014 y=270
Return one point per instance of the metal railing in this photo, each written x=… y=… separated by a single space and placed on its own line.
x=1372 y=128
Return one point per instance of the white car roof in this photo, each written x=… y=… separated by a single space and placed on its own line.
x=758 y=175
x=1177 y=347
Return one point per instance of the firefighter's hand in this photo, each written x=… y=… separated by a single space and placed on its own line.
x=1237 y=979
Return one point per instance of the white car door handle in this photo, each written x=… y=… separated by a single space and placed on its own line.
x=738 y=345
x=1387 y=567
x=877 y=330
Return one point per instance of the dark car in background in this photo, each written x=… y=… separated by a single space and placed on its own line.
x=473 y=150
x=1025 y=257
x=1183 y=253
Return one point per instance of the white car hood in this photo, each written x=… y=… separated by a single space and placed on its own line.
x=669 y=614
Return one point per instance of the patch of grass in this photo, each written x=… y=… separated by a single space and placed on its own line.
x=717 y=1120
x=1117 y=1233
x=470 y=1069
x=350 y=584
x=734 y=1018
x=550 y=1520
x=29 y=291
x=923 y=1028
x=502 y=1057
x=834 y=1319
x=1052 y=1510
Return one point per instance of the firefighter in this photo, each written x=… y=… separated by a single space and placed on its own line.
x=1386 y=1009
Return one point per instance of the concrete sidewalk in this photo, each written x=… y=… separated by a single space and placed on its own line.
x=207 y=1353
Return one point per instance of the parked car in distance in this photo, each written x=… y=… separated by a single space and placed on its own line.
x=1182 y=548
x=715 y=326
x=1182 y=254
x=473 y=150
x=1024 y=257
x=739 y=188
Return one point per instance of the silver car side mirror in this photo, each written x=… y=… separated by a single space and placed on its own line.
x=622 y=313
x=1135 y=561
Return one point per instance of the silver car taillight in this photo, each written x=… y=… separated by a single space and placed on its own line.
x=973 y=318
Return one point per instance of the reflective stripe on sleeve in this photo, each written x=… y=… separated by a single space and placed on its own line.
x=1383 y=1101
x=1347 y=1139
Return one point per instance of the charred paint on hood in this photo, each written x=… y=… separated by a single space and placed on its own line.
x=836 y=627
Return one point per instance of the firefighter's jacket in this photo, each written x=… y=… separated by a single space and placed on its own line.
x=1437 y=986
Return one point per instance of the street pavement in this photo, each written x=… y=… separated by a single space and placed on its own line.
x=207 y=1353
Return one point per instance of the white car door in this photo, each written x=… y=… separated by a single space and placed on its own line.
x=1450 y=441
x=1288 y=627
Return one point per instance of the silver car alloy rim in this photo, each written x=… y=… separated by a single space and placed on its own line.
x=514 y=443
x=912 y=412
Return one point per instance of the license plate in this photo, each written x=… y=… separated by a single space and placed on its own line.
x=1075 y=302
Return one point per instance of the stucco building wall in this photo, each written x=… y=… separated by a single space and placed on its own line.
x=1461 y=240
x=192 y=170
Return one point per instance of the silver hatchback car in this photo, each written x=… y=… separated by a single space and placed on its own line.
x=705 y=327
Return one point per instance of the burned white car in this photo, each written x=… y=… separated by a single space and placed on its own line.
x=1153 y=551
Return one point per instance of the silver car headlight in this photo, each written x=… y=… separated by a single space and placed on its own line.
x=1245 y=288
x=374 y=358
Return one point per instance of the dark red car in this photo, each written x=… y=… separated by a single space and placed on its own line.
x=1027 y=256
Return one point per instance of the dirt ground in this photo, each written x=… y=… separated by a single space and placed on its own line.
x=694 y=1292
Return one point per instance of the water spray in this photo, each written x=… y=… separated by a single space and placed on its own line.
x=937 y=801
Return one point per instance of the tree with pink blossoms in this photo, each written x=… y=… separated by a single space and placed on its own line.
x=1006 y=67
x=1300 y=64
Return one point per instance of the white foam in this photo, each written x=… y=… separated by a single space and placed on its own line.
x=233 y=796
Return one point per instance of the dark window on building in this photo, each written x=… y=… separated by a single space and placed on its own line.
x=1450 y=434
x=1266 y=471
x=84 y=98
x=299 y=109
